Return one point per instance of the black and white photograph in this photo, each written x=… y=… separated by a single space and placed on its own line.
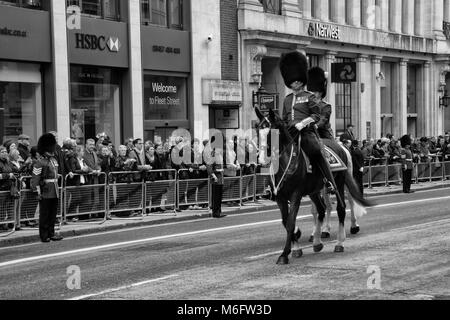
x=232 y=158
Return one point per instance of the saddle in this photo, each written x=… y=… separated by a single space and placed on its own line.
x=335 y=162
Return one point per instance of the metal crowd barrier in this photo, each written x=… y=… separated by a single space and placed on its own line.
x=160 y=191
x=28 y=204
x=8 y=211
x=376 y=175
x=192 y=192
x=85 y=200
x=125 y=195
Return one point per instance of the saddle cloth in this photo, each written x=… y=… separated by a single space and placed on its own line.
x=336 y=163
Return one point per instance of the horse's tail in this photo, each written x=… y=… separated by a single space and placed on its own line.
x=354 y=191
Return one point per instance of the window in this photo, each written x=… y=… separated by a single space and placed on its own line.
x=30 y=4
x=271 y=6
x=105 y=9
x=164 y=13
x=95 y=103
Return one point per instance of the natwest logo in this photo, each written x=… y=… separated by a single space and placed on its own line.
x=94 y=42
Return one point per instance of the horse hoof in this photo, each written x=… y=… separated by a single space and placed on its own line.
x=282 y=261
x=354 y=230
x=297 y=254
x=326 y=235
x=318 y=248
x=311 y=239
x=339 y=249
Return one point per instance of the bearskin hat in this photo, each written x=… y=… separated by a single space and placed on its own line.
x=294 y=67
x=405 y=141
x=317 y=81
x=46 y=143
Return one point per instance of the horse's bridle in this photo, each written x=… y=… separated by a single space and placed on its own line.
x=265 y=120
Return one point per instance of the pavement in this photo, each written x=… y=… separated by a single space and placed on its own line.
x=401 y=253
x=30 y=235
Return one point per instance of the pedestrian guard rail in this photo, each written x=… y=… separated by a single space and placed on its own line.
x=117 y=194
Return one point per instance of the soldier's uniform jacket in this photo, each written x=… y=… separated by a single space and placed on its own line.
x=407 y=158
x=216 y=168
x=304 y=107
x=45 y=177
x=324 y=126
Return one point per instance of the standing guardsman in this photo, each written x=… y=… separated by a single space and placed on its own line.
x=215 y=168
x=407 y=162
x=44 y=182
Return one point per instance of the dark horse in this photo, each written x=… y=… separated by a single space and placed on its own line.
x=300 y=183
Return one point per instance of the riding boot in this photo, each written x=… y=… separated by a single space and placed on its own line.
x=325 y=169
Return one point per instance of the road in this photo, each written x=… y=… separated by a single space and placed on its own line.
x=406 y=238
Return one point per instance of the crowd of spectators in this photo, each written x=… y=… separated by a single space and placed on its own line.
x=91 y=164
x=387 y=150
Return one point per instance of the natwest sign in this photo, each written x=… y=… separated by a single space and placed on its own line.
x=94 y=42
x=321 y=30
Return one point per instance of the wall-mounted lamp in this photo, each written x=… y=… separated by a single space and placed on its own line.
x=380 y=76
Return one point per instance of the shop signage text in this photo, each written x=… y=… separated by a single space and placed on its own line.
x=222 y=91
x=163 y=49
x=93 y=42
x=164 y=100
x=321 y=30
x=13 y=33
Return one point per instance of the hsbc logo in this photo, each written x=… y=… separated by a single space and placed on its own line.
x=94 y=42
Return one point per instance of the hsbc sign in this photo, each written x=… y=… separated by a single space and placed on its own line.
x=94 y=42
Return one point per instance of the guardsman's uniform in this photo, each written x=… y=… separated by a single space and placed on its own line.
x=302 y=108
x=216 y=176
x=44 y=182
x=324 y=126
x=407 y=163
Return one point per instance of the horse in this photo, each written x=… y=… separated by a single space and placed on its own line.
x=290 y=190
x=355 y=211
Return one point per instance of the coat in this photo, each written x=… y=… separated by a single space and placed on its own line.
x=5 y=170
x=302 y=108
x=45 y=169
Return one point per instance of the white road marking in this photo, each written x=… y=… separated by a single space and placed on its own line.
x=428 y=224
x=396 y=204
x=141 y=241
x=139 y=284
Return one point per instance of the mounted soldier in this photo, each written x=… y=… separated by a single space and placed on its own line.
x=302 y=111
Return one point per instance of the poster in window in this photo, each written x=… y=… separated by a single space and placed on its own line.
x=227 y=119
x=77 y=124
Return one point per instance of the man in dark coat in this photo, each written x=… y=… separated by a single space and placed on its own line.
x=358 y=164
x=302 y=111
x=407 y=161
x=348 y=134
x=215 y=168
x=24 y=146
x=44 y=183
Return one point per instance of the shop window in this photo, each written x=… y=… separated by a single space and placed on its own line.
x=164 y=13
x=30 y=4
x=165 y=97
x=271 y=6
x=20 y=101
x=105 y=9
x=95 y=103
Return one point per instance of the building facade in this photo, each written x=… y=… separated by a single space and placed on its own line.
x=129 y=68
x=387 y=60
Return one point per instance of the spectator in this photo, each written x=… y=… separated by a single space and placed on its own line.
x=10 y=145
x=77 y=169
x=24 y=146
x=394 y=152
x=138 y=154
x=6 y=181
x=348 y=134
x=129 y=145
x=59 y=155
x=91 y=160
x=16 y=162
x=164 y=161
x=106 y=162
x=31 y=161
x=423 y=149
x=123 y=163
x=358 y=165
